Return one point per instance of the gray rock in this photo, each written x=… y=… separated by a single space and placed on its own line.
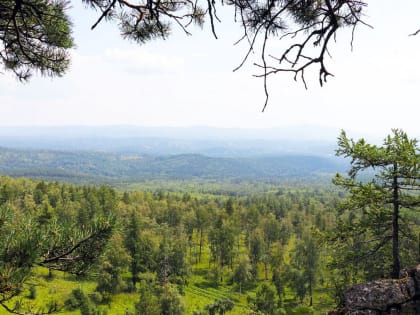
x=380 y=295
x=384 y=297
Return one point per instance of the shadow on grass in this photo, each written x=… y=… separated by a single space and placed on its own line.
x=246 y=287
x=206 y=284
x=200 y=272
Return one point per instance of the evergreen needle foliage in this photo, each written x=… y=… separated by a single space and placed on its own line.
x=384 y=191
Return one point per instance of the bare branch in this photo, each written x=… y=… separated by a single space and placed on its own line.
x=415 y=33
x=104 y=14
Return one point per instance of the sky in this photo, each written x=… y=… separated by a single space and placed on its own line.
x=188 y=81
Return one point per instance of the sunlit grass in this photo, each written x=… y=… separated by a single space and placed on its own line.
x=200 y=291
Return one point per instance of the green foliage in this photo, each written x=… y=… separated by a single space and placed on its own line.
x=305 y=265
x=256 y=250
x=37 y=34
x=219 y=306
x=229 y=206
x=383 y=184
x=132 y=244
x=242 y=272
x=159 y=300
x=113 y=264
x=149 y=301
x=78 y=299
x=170 y=273
x=279 y=280
x=40 y=236
x=222 y=241
x=169 y=171
x=266 y=301
x=171 y=259
x=170 y=302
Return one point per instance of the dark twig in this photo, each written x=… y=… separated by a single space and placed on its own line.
x=104 y=14
x=415 y=33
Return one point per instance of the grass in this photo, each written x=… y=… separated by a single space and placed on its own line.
x=199 y=292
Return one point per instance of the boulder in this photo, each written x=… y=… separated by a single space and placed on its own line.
x=384 y=297
x=380 y=295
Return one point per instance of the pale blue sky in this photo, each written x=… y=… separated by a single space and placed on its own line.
x=187 y=81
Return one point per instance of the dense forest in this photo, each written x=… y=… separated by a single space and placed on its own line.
x=192 y=253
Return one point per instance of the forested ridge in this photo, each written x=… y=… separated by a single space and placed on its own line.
x=99 y=167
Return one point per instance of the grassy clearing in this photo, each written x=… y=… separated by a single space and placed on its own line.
x=197 y=294
x=200 y=291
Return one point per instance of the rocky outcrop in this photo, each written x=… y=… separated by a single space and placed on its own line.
x=384 y=297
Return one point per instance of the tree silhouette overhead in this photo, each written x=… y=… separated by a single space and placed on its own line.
x=35 y=35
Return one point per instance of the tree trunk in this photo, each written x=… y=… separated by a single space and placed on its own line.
x=134 y=275
x=310 y=292
x=201 y=244
x=265 y=271
x=395 y=228
x=191 y=244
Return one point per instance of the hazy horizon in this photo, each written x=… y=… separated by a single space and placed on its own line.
x=302 y=132
x=162 y=141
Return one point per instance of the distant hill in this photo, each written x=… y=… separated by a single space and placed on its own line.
x=168 y=146
x=90 y=166
x=215 y=142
